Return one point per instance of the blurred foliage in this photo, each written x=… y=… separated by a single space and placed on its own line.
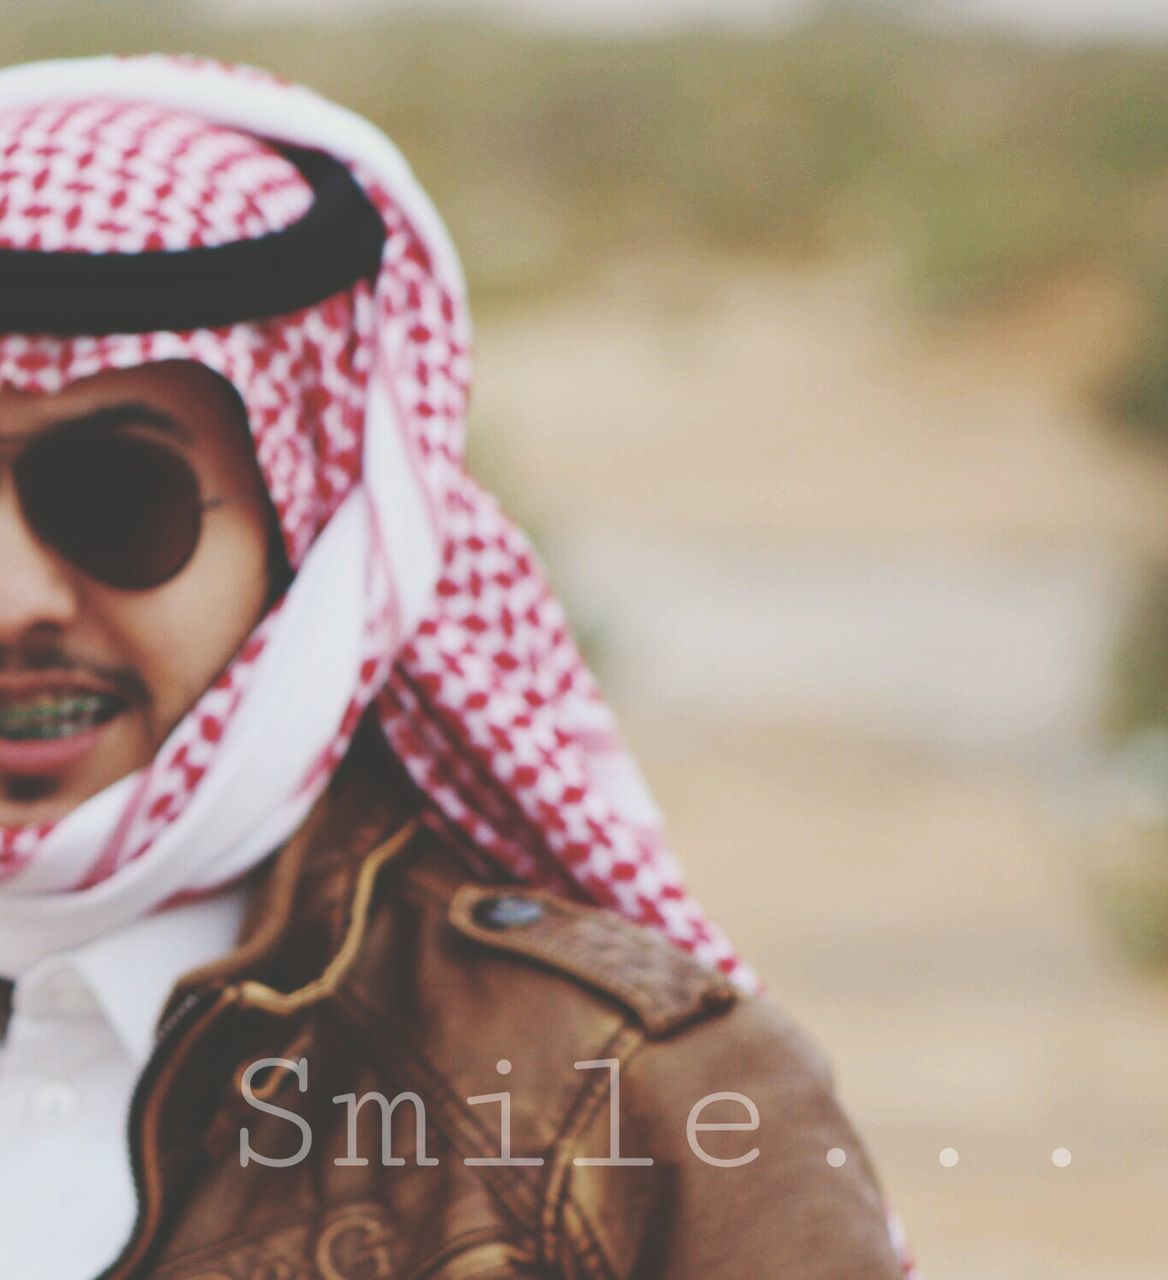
x=1131 y=899
x=1130 y=884
x=1141 y=689
x=979 y=161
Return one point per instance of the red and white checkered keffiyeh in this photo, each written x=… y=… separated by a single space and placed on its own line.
x=412 y=590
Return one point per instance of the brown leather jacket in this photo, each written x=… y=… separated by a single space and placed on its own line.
x=377 y=963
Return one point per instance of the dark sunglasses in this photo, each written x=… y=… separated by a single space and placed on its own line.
x=126 y=511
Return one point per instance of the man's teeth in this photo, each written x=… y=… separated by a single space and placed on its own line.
x=55 y=716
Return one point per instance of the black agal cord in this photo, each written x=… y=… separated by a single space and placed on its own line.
x=335 y=244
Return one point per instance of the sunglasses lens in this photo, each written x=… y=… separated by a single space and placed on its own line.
x=126 y=511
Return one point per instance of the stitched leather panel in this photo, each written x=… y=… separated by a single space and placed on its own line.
x=661 y=985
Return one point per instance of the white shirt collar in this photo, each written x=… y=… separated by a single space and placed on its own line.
x=126 y=976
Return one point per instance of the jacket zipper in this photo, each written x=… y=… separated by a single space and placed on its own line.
x=169 y=1034
x=191 y=1006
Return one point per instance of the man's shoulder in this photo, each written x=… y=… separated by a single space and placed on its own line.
x=509 y=942
x=473 y=972
x=606 y=1079
x=466 y=974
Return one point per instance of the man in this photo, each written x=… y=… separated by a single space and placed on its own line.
x=307 y=800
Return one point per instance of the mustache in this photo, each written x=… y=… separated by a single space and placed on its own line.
x=52 y=659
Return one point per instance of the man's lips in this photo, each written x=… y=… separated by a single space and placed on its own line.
x=47 y=725
x=35 y=757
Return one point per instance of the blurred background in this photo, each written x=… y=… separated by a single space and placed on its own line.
x=824 y=351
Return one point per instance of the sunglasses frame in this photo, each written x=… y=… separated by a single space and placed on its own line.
x=55 y=540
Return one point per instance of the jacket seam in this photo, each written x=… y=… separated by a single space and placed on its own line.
x=680 y=992
x=259 y=995
x=624 y=1045
x=463 y=1131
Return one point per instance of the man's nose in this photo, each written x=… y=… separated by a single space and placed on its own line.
x=36 y=590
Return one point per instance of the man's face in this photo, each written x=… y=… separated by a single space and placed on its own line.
x=92 y=677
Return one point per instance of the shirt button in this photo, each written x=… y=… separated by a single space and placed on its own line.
x=508 y=911
x=54 y=1101
x=65 y=995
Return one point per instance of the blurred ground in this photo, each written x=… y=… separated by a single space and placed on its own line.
x=853 y=585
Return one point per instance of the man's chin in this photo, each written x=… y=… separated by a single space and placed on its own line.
x=42 y=780
x=30 y=799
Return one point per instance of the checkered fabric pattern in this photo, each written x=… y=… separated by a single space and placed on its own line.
x=486 y=700
x=483 y=694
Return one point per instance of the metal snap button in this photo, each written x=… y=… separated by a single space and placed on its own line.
x=508 y=911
